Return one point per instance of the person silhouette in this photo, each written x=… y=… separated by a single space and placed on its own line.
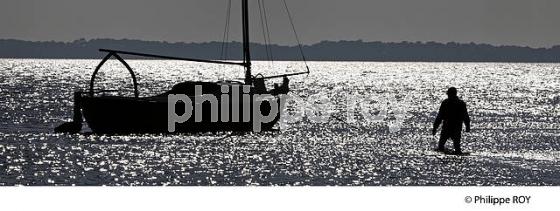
x=453 y=112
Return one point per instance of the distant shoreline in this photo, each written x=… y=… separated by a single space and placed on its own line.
x=349 y=61
x=351 y=51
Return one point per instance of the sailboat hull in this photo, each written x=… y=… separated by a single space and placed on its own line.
x=129 y=115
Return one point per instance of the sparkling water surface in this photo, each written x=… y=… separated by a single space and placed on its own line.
x=514 y=110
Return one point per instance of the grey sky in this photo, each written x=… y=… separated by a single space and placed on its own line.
x=518 y=22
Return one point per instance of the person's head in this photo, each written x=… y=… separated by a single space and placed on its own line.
x=452 y=92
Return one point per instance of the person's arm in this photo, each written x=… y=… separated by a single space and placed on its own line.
x=467 y=119
x=439 y=118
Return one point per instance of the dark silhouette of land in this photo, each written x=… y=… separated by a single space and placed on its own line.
x=323 y=51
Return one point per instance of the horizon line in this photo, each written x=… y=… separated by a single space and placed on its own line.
x=284 y=45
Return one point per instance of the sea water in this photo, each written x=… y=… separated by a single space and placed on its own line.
x=514 y=107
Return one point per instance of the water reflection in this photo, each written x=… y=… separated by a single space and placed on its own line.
x=514 y=108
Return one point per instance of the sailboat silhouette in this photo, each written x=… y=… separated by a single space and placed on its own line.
x=125 y=115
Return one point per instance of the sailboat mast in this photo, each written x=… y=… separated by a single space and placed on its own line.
x=246 y=41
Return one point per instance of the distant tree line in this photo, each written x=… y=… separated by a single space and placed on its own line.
x=323 y=51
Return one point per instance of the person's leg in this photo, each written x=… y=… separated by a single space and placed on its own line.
x=457 y=143
x=442 y=139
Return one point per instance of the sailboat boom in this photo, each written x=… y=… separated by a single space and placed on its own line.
x=172 y=57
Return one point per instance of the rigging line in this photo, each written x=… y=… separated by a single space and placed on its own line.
x=225 y=38
x=226 y=50
x=268 y=32
x=244 y=30
x=228 y=28
x=263 y=30
x=296 y=34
